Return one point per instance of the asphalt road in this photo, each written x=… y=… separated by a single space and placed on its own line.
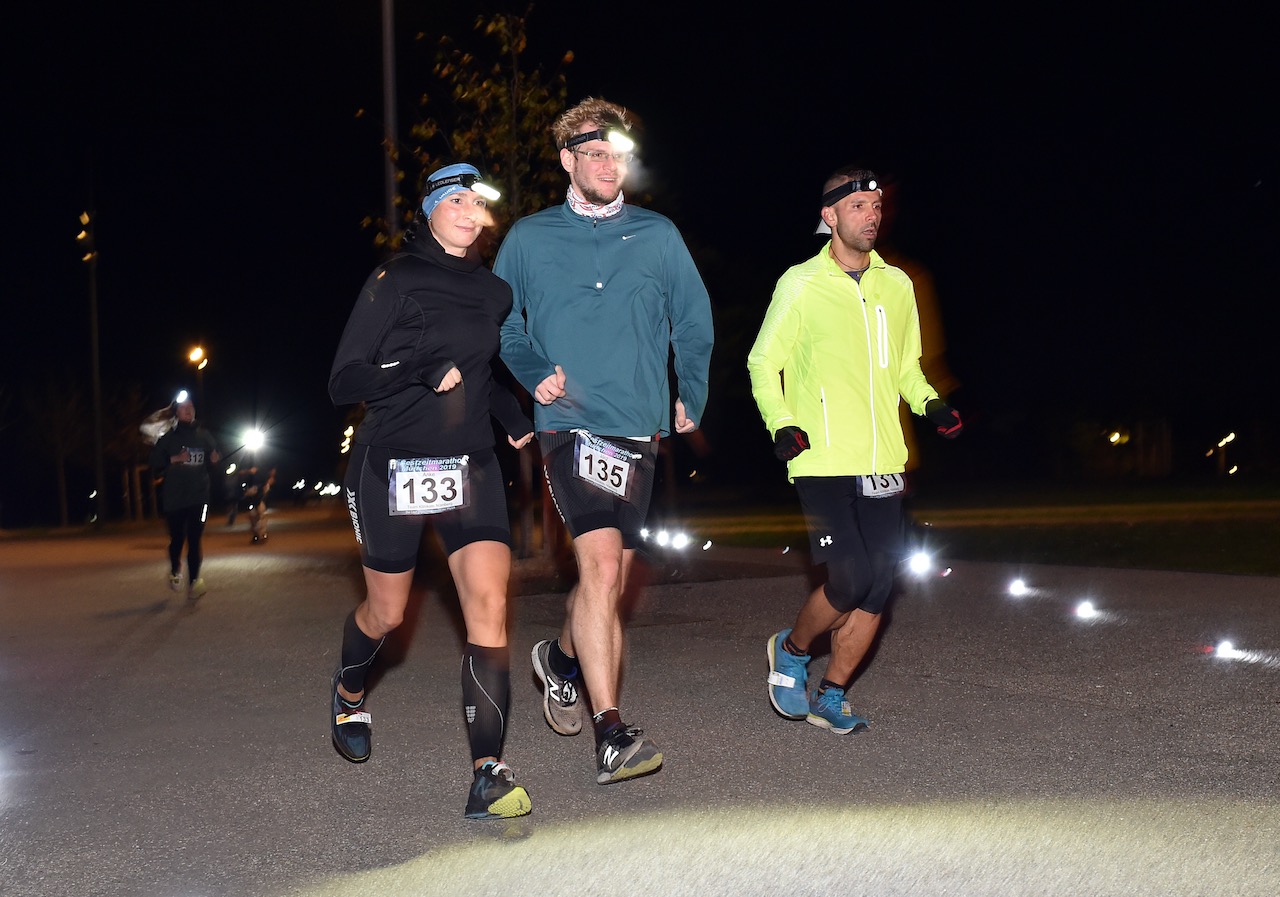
x=155 y=747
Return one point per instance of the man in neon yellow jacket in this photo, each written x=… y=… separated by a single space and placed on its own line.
x=838 y=349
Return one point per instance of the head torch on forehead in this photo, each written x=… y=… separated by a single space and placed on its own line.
x=615 y=135
x=466 y=182
x=831 y=197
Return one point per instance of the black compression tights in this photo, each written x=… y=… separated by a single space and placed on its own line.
x=186 y=524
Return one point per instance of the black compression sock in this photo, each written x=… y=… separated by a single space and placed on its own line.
x=486 y=680
x=605 y=722
x=358 y=651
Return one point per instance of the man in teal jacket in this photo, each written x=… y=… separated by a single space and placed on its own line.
x=604 y=293
x=838 y=349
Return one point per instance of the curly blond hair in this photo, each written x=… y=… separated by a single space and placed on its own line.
x=592 y=111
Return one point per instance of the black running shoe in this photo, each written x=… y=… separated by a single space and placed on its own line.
x=495 y=795
x=624 y=754
x=559 y=695
x=351 y=732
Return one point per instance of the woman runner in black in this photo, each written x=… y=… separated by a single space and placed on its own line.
x=417 y=350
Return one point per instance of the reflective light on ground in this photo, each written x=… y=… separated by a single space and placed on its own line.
x=1085 y=610
x=1227 y=651
x=920 y=563
x=1018 y=588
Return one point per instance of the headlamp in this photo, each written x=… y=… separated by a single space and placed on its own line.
x=466 y=182
x=615 y=136
x=831 y=197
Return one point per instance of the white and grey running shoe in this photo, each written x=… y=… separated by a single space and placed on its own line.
x=625 y=754
x=559 y=695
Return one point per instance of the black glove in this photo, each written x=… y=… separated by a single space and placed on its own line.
x=789 y=442
x=944 y=417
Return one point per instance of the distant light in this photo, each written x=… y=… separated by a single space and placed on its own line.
x=1018 y=588
x=663 y=538
x=93 y=494
x=301 y=484
x=787 y=549
x=254 y=440
x=692 y=474
x=706 y=545
x=920 y=563
x=1234 y=468
x=644 y=533
x=231 y=469
x=1114 y=438
x=679 y=541
x=1086 y=611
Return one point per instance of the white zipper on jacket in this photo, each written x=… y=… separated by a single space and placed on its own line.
x=871 y=391
x=826 y=425
x=882 y=334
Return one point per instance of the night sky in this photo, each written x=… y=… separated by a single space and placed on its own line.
x=1093 y=196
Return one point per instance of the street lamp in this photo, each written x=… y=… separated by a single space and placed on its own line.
x=90 y=257
x=198 y=357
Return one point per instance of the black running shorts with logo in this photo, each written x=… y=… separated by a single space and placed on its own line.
x=584 y=507
x=390 y=544
x=842 y=522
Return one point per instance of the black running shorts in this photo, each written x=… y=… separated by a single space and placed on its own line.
x=584 y=507
x=390 y=543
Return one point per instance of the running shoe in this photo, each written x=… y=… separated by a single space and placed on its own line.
x=495 y=795
x=559 y=695
x=624 y=754
x=350 y=726
x=175 y=581
x=197 y=588
x=830 y=710
x=788 y=675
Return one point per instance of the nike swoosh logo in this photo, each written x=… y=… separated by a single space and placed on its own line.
x=628 y=236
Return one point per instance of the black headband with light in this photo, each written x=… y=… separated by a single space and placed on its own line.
x=463 y=180
x=831 y=197
x=615 y=134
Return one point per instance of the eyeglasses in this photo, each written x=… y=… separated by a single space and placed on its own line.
x=604 y=155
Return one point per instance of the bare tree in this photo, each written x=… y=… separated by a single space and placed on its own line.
x=62 y=425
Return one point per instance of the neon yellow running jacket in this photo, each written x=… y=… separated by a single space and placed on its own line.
x=832 y=357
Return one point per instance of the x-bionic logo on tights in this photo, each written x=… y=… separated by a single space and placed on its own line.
x=355 y=515
x=825 y=541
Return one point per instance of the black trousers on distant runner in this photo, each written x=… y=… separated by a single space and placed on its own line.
x=186 y=525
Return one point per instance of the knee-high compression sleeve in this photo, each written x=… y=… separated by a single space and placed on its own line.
x=358 y=651
x=486 y=685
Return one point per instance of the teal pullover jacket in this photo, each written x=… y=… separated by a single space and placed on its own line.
x=608 y=300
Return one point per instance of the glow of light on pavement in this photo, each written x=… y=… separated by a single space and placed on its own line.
x=1018 y=588
x=1106 y=848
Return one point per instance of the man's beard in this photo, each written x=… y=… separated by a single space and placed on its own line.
x=594 y=197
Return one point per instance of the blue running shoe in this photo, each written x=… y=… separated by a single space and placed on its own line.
x=830 y=710
x=788 y=676
x=350 y=726
x=495 y=794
